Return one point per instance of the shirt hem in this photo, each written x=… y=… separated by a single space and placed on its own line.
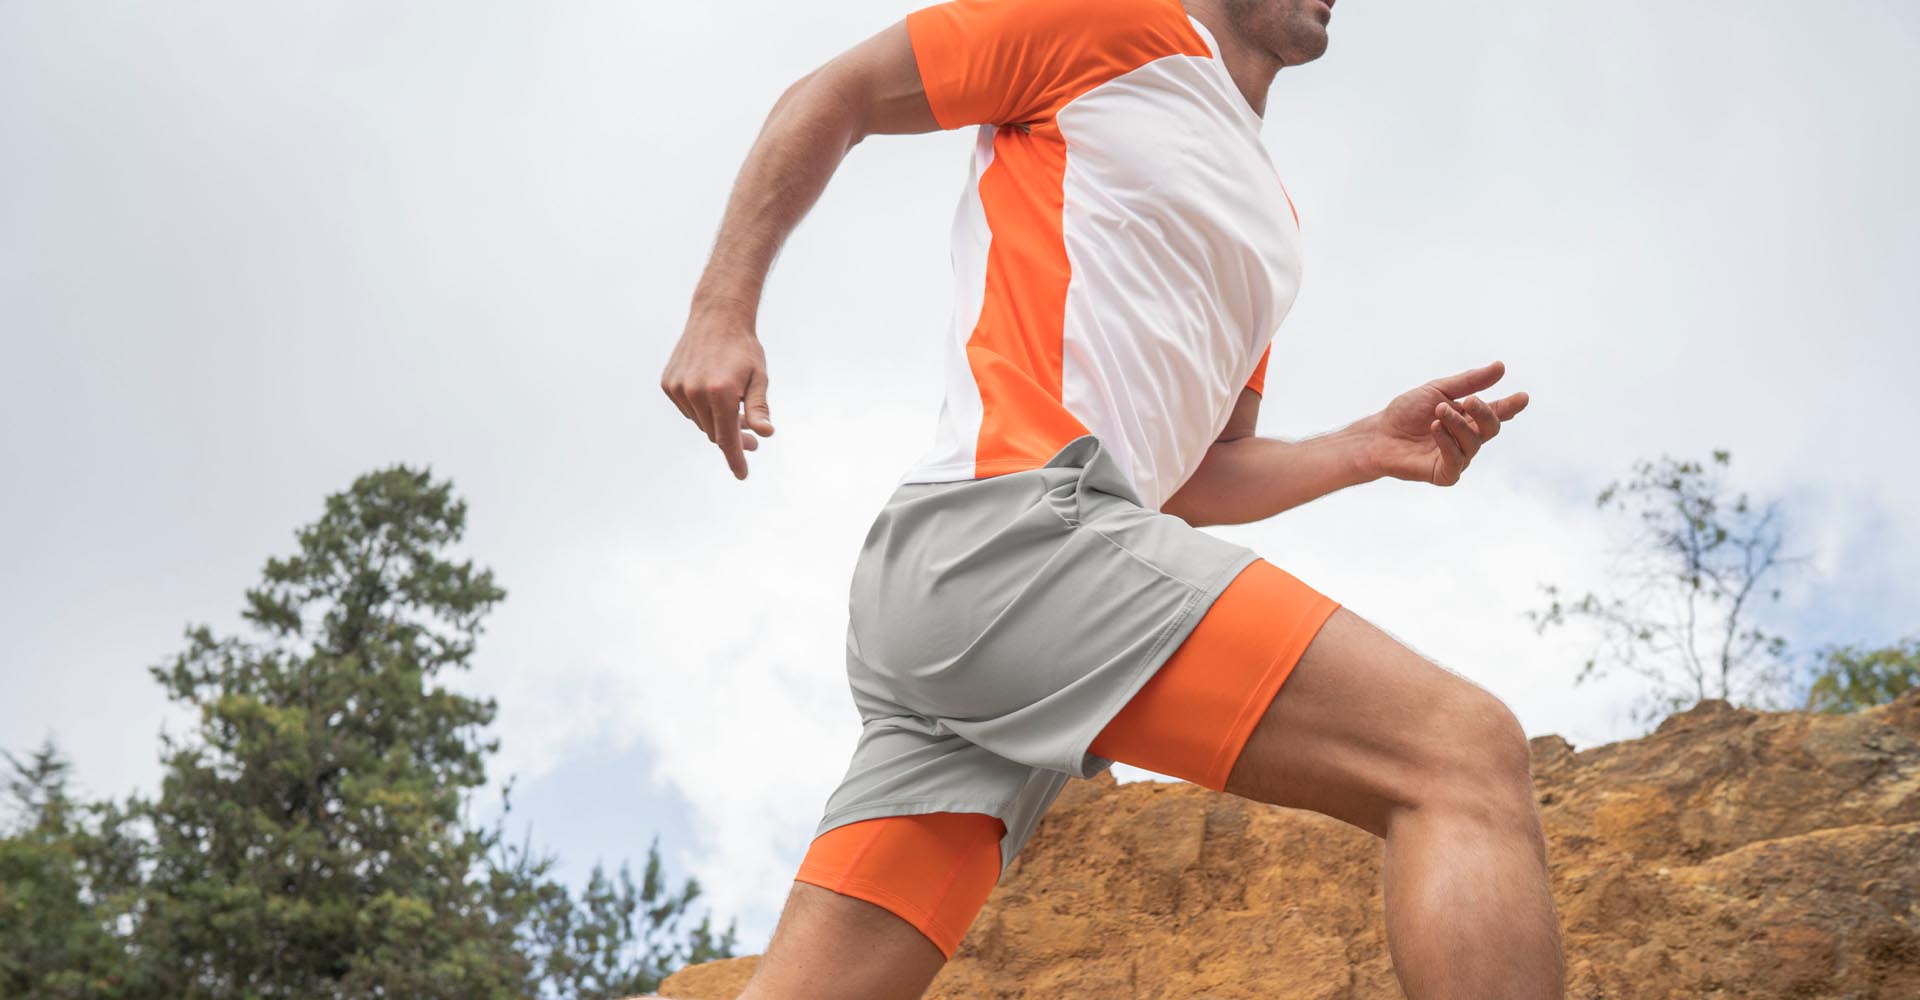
x=955 y=472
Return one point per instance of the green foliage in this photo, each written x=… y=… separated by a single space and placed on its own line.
x=1850 y=678
x=62 y=869
x=309 y=838
x=622 y=939
x=1686 y=591
x=308 y=835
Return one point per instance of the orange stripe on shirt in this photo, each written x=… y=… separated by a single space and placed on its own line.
x=1015 y=349
x=1013 y=64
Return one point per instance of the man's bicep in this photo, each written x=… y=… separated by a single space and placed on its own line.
x=883 y=78
x=955 y=64
x=998 y=62
x=1014 y=62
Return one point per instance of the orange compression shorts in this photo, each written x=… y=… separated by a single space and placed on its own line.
x=1190 y=721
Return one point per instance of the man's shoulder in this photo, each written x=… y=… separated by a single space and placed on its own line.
x=1087 y=23
x=1008 y=61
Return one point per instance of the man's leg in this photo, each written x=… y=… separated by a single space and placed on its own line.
x=1367 y=731
x=830 y=945
x=1370 y=732
x=879 y=905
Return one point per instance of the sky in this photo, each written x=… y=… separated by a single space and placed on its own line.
x=249 y=251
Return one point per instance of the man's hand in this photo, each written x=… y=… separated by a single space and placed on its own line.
x=716 y=367
x=1430 y=434
x=873 y=88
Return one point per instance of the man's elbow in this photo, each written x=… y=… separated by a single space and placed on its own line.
x=826 y=98
x=1182 y=506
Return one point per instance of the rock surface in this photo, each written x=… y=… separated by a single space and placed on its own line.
x=1729 y=854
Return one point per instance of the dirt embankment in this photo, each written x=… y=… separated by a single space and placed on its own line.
x=1730 y=854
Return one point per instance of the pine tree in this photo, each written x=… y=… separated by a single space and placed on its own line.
x=622 y=938
x=65 y=871
x=309 y=836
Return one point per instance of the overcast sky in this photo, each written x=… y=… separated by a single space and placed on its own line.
x=249 y=251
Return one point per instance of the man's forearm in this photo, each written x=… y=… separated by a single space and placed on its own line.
x=808 y=133
x=1252 y=478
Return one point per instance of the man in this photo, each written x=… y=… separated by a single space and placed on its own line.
x=1034 y=601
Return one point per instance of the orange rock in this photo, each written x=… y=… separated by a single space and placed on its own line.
x=1729 y=854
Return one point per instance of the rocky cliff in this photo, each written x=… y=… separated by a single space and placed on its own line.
x=1729 y=854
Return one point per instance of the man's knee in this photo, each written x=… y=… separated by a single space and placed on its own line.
x=1365 y=729
x=1478 y=760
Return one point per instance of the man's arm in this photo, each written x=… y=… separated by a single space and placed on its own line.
x=872 y=89
x=1427 y=434
x=1246 y=478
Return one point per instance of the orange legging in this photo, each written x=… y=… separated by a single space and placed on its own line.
x=1190 y=721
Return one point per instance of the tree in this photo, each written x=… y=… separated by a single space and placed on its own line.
x=63 y=871
x=309 y=837
x=622 y=939
x=308 y=834
x=1851 y=677
x=1690 y=584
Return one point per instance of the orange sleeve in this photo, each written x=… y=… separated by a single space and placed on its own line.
x=1258 y=383
x=999 y=62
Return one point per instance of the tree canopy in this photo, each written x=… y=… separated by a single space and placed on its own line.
x=1685 y=603
x=310 y=836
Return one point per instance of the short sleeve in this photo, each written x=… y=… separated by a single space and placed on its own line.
x=1000 y=62
x=1258 y=383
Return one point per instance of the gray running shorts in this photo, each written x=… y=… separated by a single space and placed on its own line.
x=997 y=625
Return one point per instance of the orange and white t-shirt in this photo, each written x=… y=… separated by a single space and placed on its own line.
x=1124 y=249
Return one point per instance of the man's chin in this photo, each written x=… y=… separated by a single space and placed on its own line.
x=1308 y=45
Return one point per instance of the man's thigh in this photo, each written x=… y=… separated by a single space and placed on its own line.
x=1283 y=696
x=881 y=903
x=1365 y=726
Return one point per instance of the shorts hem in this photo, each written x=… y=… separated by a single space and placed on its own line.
x=1180 y=626
x=943 y=935
x=996 y=808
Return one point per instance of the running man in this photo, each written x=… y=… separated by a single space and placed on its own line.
x=1034 y=601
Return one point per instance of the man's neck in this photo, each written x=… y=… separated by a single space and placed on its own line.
x=1251 y=67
